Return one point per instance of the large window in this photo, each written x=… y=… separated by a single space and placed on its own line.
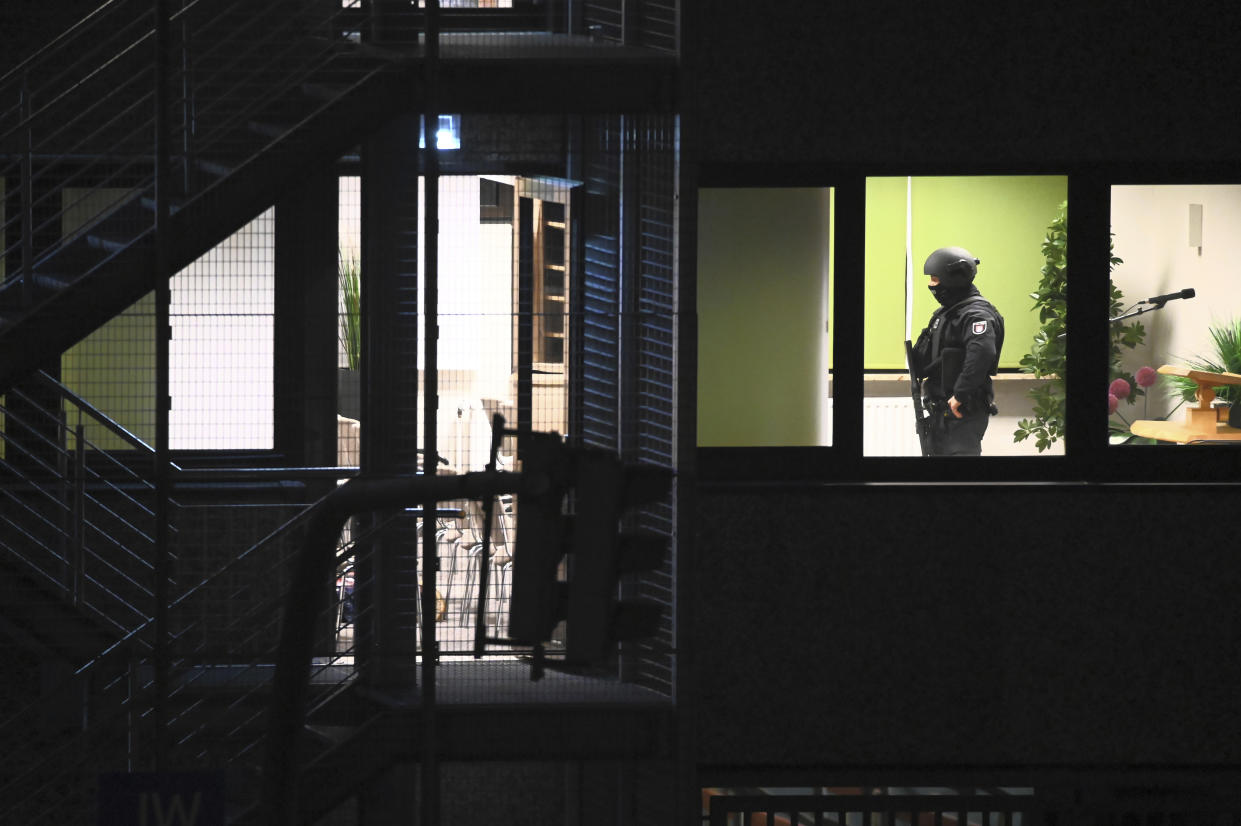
x=1179 y=310
x=1144 y=266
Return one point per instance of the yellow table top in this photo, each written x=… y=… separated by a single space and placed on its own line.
x=1180 y=433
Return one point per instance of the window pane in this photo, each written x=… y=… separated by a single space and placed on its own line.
x=1003 y=222
x=764 y=266
x=220 y=371
x=1178 y=291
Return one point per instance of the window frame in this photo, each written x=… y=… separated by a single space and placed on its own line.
x=1088 y=457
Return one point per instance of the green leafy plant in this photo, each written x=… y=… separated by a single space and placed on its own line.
x=350 y=330
x=1226 y=359
x=1046 y=358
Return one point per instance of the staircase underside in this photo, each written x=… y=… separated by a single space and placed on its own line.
x=478 y=73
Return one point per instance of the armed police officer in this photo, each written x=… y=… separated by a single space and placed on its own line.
x=956 y=356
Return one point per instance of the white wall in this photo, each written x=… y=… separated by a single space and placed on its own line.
x=1151 y=233
x=475 y=315
x=475 y=290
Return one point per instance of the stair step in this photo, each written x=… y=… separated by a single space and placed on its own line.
x=98 y=242
x=52 y=282
x=328 y=736
x=213 y=168
x=13 y=294
x=324 y=91
x=148 y=203
x=267 y=130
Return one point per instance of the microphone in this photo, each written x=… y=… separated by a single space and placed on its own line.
x=1188 y=292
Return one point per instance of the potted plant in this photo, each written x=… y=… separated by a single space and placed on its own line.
x=1226 y=359
x=349 y=331
x=1046 y=359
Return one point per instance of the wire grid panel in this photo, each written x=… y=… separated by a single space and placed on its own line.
x=220 y=356
x=220 y=359
x=462 y=575
x=113 y=367
x=349 y=238
x=459 y=580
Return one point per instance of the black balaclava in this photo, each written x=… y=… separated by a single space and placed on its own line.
x=947 y=296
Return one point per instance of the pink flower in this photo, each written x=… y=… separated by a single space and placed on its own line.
x=1119 y=388
x=1112 y=403
x=1146 y=376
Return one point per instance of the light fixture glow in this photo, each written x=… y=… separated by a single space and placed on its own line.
x=447 y=133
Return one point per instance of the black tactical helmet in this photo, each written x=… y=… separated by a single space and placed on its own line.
x=956 y=267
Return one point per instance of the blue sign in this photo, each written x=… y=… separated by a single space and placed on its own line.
x=162 y=799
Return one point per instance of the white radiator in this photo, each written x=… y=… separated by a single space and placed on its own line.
x=887 y=426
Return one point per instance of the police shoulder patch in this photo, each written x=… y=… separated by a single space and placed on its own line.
x=978 y=327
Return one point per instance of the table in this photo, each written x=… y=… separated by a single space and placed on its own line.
x=1201 y=421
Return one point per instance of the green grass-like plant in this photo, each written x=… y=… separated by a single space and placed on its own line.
x=350 y=328
x=1226 y=359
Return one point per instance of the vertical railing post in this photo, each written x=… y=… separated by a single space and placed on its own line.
x=188 y=123
x=132 y=713
x=162 y=400
x=68 y=513
x=430 y=800
x=77 y=555
x=629 y=22
x=27 y=197
x=484 y=552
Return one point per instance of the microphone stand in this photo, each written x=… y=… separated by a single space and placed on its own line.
x=1138 y=311
x=1127 y=314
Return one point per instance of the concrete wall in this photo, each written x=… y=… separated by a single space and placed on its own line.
x=881 y=626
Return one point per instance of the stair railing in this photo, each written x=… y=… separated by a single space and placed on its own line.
x=78 y=517
x=220 y=679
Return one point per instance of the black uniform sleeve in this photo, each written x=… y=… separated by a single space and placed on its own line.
x=979 y=335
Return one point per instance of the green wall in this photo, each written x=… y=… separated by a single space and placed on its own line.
x=1001 y=219
x=113 y=368
x=763 y=258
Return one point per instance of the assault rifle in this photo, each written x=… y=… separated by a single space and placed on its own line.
x=922 y=421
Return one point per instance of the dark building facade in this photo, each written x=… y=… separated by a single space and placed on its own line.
x=1061 y=628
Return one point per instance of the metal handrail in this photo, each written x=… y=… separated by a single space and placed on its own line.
x=98 y=416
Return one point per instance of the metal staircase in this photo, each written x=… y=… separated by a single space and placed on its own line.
x=214 y=110
x=211 y=112
x=253 y=95
x=223 y=642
